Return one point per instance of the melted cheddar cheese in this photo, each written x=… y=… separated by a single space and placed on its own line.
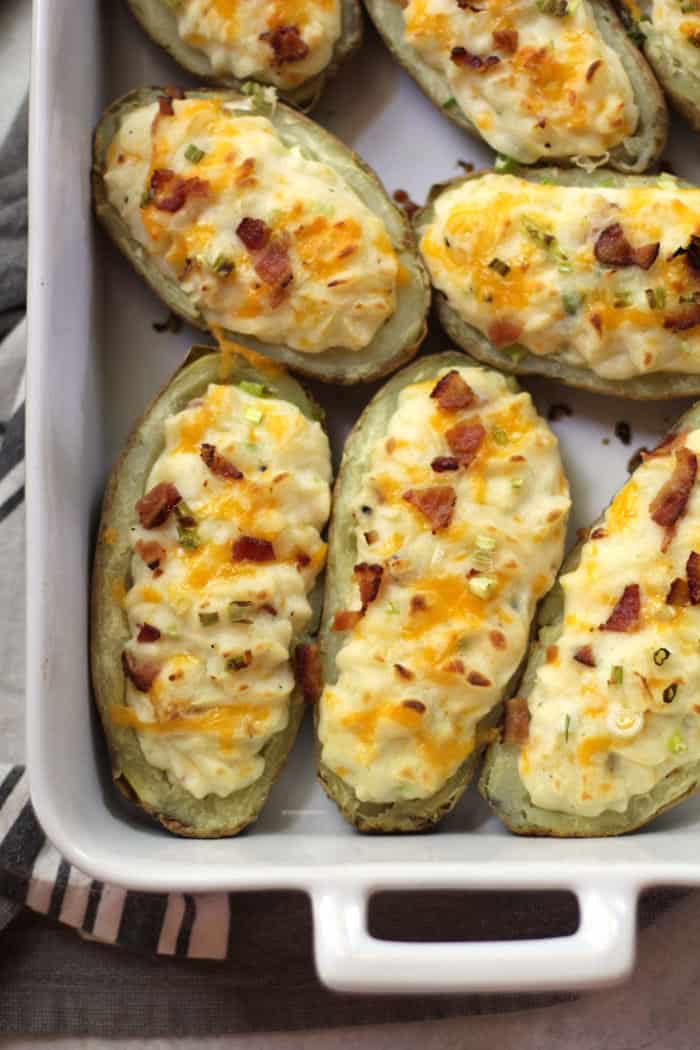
x=226 y=626
x=534 y=83
x=601 y=735
x=449 y=626
x=341 y=285
x=521 y=256
x=678 y=24
x=237 y=36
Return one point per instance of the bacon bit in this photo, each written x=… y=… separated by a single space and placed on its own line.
x=584 y=655
x=671 y=501
x=517 y=721
x=140 y=674
x=696 y=709
x=153 y=508
x=443 y=463
x=613 y=249
x=250 y=548
x=436 y=503
x=599 y=534
x=414 y=705
x=683 y=320
x=269 y=609
x=552 y=653
x=245 y=171
x=418 y=603
x=625 y=615
x=506 y=39
x=476 y=678
x=346 y=619
x=692 y=571
x=593 y=69
x=466 y=60
x=151 y=552
x=218 y=464
x=307 y=671
x=273 y=265
x=287 y=44
x=371 y=537
x=165 y=106
x=452 y=393
x=170 y=192
x=678 y=593
x=665 y=446
x=148 y=633
x=405 y=202
x=504 y=332
x=597 y=322
x=369 y=580
x=497 y=639
x=174 y=91
x=465 y=440
x=403 y=672
x=254 y=233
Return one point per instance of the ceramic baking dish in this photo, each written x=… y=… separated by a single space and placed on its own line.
x=94 y=362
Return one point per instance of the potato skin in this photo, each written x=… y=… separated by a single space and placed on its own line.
x=659 y=386
x=500 y=782
x=418 y=814
x=148 y=787
x=682 y=88
x=396 y=342
x=157 y=19
x=639 y=152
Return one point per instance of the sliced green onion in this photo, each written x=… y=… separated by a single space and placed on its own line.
x=505 y=165
x=223 y=265
x=238 y=611
x=501 y=268
x=208 y=618
x=661 y=656
x=392 y=609
x=482 y=586
x=145 y=198
x=253 y=415
x=516 y=483
x=623 y=298
x=450 y=103
x=616 y=675
x=656 y=297
x=667 y=181
x=567 y=724
x=237 y=663
x=676 y=744
x=254 y=389
x=193 y=153
x=515 y=351
x=571 y=301
x=499 y=435
x=485 y=543
x=669 y=693
x=186 y=526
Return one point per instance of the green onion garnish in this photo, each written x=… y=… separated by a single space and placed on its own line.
x=208 y=618
x=669 y=693
x=571 y=301
x=499 y=435
x=676 y=744
x=238 y=611
x=193 y=153
x=449 y=103
x=501 y=268
x=505 y=165
x=253 y=415
x=661 y=656
x=616 y=675
x=237 y=663
x=254 y=389
x=567 y=724
x=223 y=265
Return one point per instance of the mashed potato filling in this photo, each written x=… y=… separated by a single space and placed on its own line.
x=678 y=23
x=220 y=586
x=263 y=240
x=459 y=528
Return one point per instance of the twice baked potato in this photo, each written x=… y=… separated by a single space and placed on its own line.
x=591 y=279
x=448 y=525
x=249 y=220
x=604 y=734
x=203 y=585
x=293 y=47
x=556 y=82
x=668 y=33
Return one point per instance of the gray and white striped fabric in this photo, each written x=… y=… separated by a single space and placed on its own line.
x=33 y=874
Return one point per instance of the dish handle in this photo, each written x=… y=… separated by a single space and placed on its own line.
x=350 y=959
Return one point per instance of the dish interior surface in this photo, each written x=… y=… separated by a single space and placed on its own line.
x=96 y=360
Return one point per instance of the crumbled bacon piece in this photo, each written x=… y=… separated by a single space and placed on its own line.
x=497 y=639
x=625 y=615
x=148 y=633
x=273 y=265
x=692 y=571
x=477 y=678
x=403 y=672
x=140 y=673
x=369 y=579
x=254 y=233
x=452 y=393
x=671 y=501
x=218 y=464
x=465 y=440
x=418 y=603
x=506 y=39
x=302 y=560
x=287 y=44
x=593 y=69
x=613 y=249
x=665 y=446
x=517 y=721
x=443 y=463
x=250 y=548
x=153 y=508
x=170 y=192
x=165 y=106
x=436 y=503
x=585 y=656
x=346 y=619
x=405 y=202
x=678 y=592
x=307 y=666
x=599 y=533
x=504 y=332
x=151 y=552
x=414 y=705
x=174 y=91
x=466 y=60
x=683 y=320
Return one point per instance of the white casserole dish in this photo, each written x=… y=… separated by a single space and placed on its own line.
x=94 y=362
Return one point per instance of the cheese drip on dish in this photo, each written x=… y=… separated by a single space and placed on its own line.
x=615 y=707
x=263 y=240
x=678 y=24
x=535 y=82
x=283 y=43
x=602 y=277
x=456 y=575
x=220 y=586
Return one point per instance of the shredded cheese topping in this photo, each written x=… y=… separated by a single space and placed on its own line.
x=225 y=625
x=678 y=23
x=518 y=261
x=450 y=622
